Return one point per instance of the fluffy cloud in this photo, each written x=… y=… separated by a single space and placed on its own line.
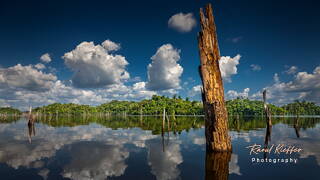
x=182 y=22
x=255 y=67
x=62 y=93
x=93 y=66
x=292 y=70
x=195 y=90
x=122 y=92
x=45 y=58
x=304 y=86
x=164 y=72
x=228 y=66
x=231 y=94
x=26 y=78
x=110 y=46
x=139 y=91
x=58 y=92
x=40 y=66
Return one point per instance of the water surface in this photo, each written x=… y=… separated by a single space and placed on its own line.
x=137 y=147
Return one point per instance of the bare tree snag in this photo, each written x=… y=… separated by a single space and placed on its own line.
x=216 y=116
x=266 y=109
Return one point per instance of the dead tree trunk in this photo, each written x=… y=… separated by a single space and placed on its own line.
x=216 y=116
x=266 y=109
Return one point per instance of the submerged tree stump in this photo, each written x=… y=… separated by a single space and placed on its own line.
x=266 y=109
x=216 y=117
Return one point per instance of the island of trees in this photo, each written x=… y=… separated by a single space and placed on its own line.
x=174 y=106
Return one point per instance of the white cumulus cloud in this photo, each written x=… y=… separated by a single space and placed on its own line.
x=40 y=66
x=111 y=46
x=62 y=93
x=45 y=58
x=93 y=66
x=304 y=86
x=25 y=77
x=292 y=70
x=195 y=90
x=182 y=22
x=164 y=72
x=228 y=66
x=232 y=94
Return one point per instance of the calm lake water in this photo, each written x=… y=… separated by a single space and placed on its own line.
x=137 y=147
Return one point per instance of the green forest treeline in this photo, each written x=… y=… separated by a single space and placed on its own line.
x=175 y=106
x=9 y=110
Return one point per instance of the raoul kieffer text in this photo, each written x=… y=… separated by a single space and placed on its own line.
x=275 y=149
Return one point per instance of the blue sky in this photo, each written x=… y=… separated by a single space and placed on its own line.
x=272 y=36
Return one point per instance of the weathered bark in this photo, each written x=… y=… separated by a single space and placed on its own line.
x=217 y=165
x=216 y=116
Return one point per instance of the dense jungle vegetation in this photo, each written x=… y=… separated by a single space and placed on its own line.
x=9 y=110
x=174 y=106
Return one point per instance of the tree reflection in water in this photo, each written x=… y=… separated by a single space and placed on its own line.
x=267 y=139
x=217 y=165
x=297 y=127
x=111 y=147
x=31 y=130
